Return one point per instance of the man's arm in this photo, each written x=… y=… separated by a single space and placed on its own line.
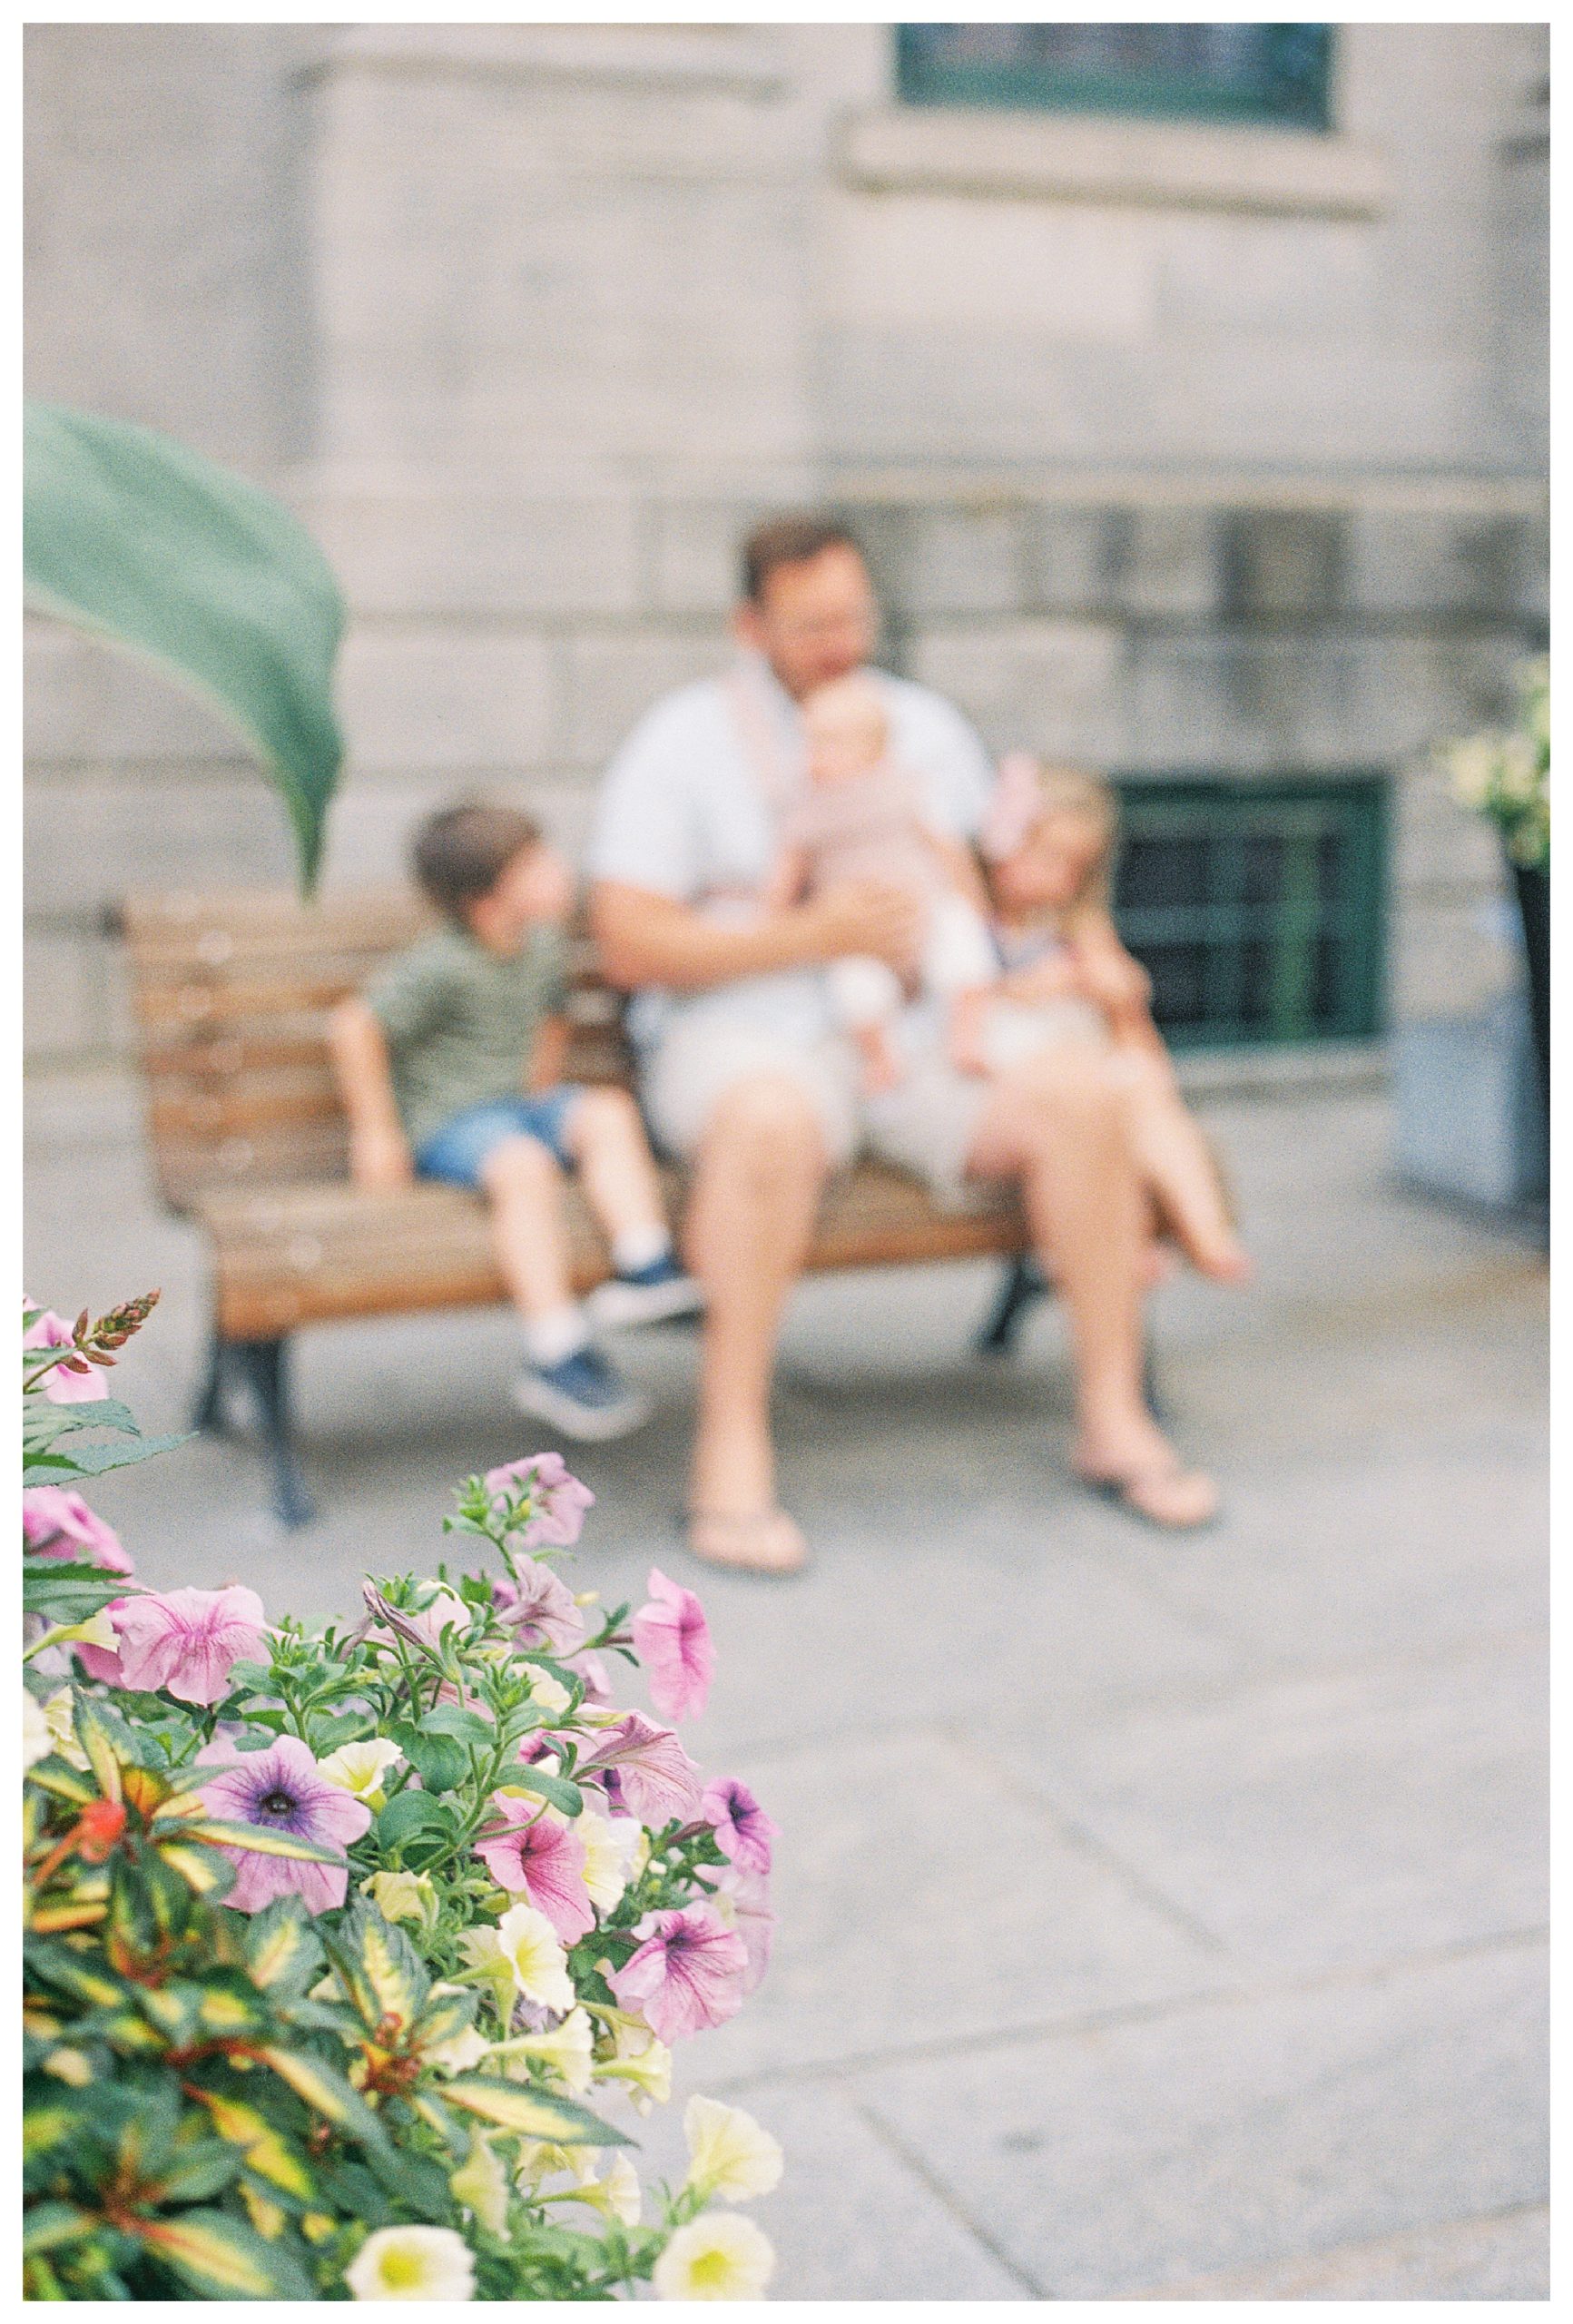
x=646 y=938
x=380 y=1156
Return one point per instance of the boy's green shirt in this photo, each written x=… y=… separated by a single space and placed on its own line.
x=460 y=1022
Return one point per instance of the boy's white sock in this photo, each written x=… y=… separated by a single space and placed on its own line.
x=639 y=1246
x=561 y=1332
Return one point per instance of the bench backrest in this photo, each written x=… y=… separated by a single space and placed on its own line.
x=232 y=991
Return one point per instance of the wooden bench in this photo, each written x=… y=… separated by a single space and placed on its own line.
x=231 y=993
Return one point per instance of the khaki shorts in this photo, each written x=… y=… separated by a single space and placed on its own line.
x=927 y=1123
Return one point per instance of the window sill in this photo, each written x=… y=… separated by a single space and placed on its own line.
x=1058 y=157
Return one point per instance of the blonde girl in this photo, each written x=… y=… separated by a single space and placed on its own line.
x=1048 y=845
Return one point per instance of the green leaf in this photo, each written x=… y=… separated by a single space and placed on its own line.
x=261 y=1839
x=411 y=1813
x=283 y=1951
x=377 y=1966
x=464 y=1726
x=97 y=1459
x=48 y=2225
x=439 y=1762
x=197 y=2172
x=221 y=2259
x=556 y=1788
x=132 y=537
x=325 y=2089
x=69 y=1593
x=534 y=2114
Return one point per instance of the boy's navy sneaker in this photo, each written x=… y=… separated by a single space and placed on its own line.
x=583 y=1396
x=647 y=1295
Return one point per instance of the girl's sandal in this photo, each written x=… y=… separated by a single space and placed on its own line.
x=767 y=1541
x=1173 y=1499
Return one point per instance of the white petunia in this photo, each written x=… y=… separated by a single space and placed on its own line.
x=36 y=1741
x=402 y=1896
x=550 y=1693
x=729 y=2154
x=58 y=1715
x=645 y=2065
x=610 y=1844
x=481 y=2186
x=722 y=2256
x=567 y=2050
x=362 y=1767
x=618 y=2195
x=413 y=2263
x=526 y=1946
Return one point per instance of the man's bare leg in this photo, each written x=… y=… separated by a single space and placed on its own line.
x=1063 y=1132
x=756 y=1191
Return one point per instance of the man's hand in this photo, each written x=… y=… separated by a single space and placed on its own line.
x=381 y=1161
x=868 y=916
x=1108 y=975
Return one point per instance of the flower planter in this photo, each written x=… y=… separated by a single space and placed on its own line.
x=1534 y=891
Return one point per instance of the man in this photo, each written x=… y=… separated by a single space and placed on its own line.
x=743 y=1076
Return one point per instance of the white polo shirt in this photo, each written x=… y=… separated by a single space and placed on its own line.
x=684 y=811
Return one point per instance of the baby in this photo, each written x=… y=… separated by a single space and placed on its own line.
x=1048 y=845
x=861 y=818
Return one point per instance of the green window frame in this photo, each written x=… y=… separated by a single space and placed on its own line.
x=1257 y=907
x=1275 y=74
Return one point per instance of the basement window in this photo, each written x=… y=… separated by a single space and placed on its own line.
x=1250 y=72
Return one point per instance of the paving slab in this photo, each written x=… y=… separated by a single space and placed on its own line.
x=1508 y=2257
x=1321 y=1819
x=921 y=1900
x=1244 y=2133
x=851 y=2219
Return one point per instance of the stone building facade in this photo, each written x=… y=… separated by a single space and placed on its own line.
x=1199 y=450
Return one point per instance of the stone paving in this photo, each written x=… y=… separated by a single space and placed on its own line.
x=1158 y=1919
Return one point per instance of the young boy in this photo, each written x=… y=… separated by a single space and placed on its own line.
x=450 y=1066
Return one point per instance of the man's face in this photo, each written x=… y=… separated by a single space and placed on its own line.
x=816 y=622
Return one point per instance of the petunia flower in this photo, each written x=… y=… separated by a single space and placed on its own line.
x=282 y=1789
x=729 y=2155
x=37 y=1742
x=58 y=1523
x=672 y=1638
x=361 y=1767
x=656 y=1774
x=557 y=1499
x=568 y=2049
x=611 y=1845
x=481 y=2184
x=723 y=2256
x=688 y=1973
x=413 y=2263
x=523 y=1954
x=188 y=1640
x=617 y=2196
x=401 y=1896
x=537 y=1855
x=743 y=1832
x=742 y=1900
x=539 y=1609
x=88 y=1386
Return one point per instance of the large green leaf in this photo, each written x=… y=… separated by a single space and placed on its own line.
x=129 y=535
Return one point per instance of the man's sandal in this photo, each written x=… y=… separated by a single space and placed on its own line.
x=768 y=1541
x=1173 y=1499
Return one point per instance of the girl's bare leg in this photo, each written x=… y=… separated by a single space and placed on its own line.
x=1063 y=1132
x=1175 y=1161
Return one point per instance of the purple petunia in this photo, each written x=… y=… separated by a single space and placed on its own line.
x=688 y=1973
x=672 y=1638
x=282 y=1789
x=58 y=1523
x=743 y=1832
x=539 y=1609
x=86 y=1386
x=656 y=1774
x=557 y=1499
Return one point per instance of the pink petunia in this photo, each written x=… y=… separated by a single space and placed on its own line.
x=557 y=1499
x=58 y=1523
x=189 y=1640
x=655 y=1773
x=60 y=1386
x=747 y=1895
x=539 y=1609
x=672 y=1638
x=541 y=1860
x=687 y=1975
x=743 y=1832
x=282 y=1789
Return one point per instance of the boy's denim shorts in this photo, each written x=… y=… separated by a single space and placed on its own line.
x=457 y=1150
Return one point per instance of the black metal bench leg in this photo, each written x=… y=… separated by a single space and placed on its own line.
x=265 y=1366
x=207 y=1414
x=1022 y=1284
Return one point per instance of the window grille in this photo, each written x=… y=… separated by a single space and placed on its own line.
x=1256 y=907
x=1260 y=72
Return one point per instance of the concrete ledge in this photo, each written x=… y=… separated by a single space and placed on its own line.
x=1154 y=164
x=1311 y=1067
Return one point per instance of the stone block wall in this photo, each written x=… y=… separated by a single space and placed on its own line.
x=1179 y=450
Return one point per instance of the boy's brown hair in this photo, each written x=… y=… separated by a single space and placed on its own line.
x=461 y=852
